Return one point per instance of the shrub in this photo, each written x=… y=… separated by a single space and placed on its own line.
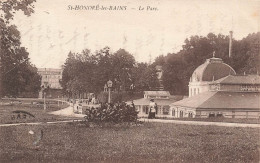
x=116 y=113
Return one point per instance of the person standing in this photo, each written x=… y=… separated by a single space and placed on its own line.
x=152 y=111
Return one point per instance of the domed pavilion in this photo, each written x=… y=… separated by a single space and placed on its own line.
x=215 y=90
x=213 y=69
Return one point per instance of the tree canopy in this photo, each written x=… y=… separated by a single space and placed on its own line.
x=17 y=76
x=178 y=68
x=89 y=72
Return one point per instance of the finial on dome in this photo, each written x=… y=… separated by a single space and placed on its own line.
x=214 y=54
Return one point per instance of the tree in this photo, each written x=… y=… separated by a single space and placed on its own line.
x=145 y=77
x=179 y=67
x=89 y=72
x=78 y=73
x=122 y=62
x=14 y=61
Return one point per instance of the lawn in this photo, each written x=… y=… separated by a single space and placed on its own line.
x=40 y=115
x=151 y=142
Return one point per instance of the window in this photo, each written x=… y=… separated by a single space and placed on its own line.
x=159 y=111
x=173 y=112
x=146 y=109
x=211 y=115
x=166 y=111
x=137 y=108
x=190 y=115
x=249 y=88
x=181 y=114
x=198 y=114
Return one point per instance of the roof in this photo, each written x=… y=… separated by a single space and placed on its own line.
x=212 y=69
x=234 y=79
x=157 y=93
x=222 y=100
x=49 y=69
x=146 y=101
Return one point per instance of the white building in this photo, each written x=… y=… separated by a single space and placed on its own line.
x=163 y=99
x=212 y=69
x=216 y=91
x=50 y=77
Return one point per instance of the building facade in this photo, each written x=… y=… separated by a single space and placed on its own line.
x=50 y=77
x=216 y=91
x=163 y=99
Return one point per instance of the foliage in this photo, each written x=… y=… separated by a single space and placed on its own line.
x=8 y=8
x=117 y=113
x=103 y=65
x=18 y=76
x=123 y=70
x=119 y=96
x=115 y=97
x=178 y=68
x=145 y=77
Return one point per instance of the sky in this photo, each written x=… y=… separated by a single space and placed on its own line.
x=55 y=29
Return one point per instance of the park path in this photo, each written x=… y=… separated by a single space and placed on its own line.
x=201 y=123
x=68 y=112
x=223 y=124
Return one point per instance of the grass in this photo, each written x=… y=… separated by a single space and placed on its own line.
x=40 y=115
x=152 y=142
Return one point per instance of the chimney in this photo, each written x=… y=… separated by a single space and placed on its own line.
x=230 y=44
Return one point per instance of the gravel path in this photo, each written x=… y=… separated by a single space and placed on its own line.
x=67 y=112
x=224 y=124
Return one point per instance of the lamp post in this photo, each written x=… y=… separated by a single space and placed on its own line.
x=109 y=85
x=44 y=102
x=44 y=90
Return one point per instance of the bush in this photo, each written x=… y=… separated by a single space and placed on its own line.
x=116 y=113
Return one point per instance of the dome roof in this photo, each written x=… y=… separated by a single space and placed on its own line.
x=212 y=69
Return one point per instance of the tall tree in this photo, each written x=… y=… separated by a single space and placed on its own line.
x=14 y=61
x=122 y=62
x=179 y=67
